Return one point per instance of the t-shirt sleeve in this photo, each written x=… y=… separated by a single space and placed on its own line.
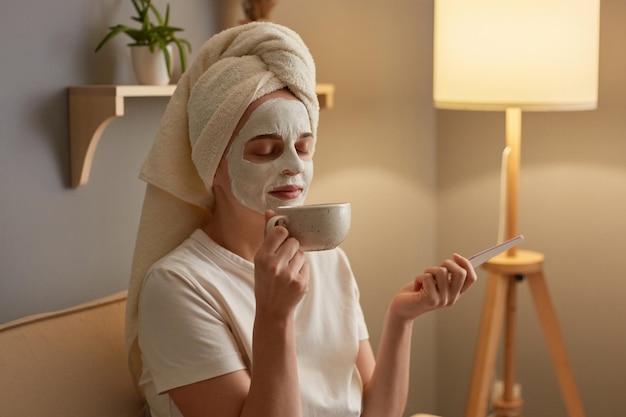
x=182 y=337
x=360 y=317
x=363 y=333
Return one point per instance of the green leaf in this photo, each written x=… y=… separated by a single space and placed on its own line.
x=156 y=13
x=181 y=44
x=166 y=54
x=115 y=30
x=137 y=8
x=167 y=15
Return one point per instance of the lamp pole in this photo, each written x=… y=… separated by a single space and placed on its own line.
x=513 y=142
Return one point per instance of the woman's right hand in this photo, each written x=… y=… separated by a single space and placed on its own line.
x=281 y=273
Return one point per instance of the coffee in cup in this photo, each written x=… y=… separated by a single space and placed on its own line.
x=315 y=226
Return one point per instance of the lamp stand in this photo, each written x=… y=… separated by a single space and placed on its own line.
x=505 y=272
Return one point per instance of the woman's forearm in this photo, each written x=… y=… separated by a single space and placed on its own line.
x=274 y=386
x=385 y=395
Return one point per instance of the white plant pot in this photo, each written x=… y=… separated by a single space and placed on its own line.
x=149 y=67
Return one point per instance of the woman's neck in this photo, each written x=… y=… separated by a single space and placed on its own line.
x=240 y=230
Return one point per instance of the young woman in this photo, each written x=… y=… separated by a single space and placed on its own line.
x=235 y=321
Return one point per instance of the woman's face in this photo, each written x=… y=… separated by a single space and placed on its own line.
x=270 y=160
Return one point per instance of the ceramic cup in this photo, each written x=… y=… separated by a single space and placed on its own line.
x=315 y=226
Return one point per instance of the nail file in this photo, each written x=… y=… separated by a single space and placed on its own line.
x=483 y=256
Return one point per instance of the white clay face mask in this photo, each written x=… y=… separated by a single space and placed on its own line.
x=282 y=179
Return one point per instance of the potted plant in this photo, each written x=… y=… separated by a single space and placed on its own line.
x=157 y=37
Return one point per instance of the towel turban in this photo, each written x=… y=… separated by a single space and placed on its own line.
x=232 y=69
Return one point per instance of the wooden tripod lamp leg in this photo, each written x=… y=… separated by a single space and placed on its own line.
x=508 y=404
x=556 y=345
x=487 y=345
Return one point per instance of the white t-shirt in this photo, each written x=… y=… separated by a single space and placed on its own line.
x=196 y=314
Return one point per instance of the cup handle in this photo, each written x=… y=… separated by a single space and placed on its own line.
x=276 y=219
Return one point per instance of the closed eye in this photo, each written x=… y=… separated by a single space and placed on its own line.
x=304 y=146
x=263 y=148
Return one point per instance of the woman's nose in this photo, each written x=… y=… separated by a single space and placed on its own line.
x=292 y=164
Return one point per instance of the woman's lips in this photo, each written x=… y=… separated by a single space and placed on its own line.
x=288 y=192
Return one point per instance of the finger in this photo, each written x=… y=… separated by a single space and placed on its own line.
x=456 y=284
x=304 y=274
x=471 y=277
x=457 y=280
x=269 y=214
x=298 y=271
x=429 y=287
x=275 y=239
x=442 y=278
x=417 y=283
x=288 y=248
x=297 y=261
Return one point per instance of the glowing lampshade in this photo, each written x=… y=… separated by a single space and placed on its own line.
x=528 y=54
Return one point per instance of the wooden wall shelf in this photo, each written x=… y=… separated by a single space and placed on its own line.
x=93 y=107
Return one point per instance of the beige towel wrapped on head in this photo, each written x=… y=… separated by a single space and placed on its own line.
x=233 y=68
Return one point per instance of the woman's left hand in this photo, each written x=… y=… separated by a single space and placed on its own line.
x=438 y=287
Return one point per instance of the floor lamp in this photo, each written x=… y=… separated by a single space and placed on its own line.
x=514 y=56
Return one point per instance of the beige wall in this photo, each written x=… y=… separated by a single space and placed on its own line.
x=573 y=200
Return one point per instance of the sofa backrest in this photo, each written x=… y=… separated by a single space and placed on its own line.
x=68 y=363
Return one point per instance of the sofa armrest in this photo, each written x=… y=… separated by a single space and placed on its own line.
x=70 y=362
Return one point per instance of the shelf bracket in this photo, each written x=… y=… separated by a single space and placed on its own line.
x=91 y=109
x=89 y=116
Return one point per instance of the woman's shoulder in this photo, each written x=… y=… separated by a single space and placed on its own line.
x=187 y=252
x=333 y=255
x=334 y=261
x=193 y=258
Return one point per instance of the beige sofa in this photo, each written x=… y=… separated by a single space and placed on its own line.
x=68 y=363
